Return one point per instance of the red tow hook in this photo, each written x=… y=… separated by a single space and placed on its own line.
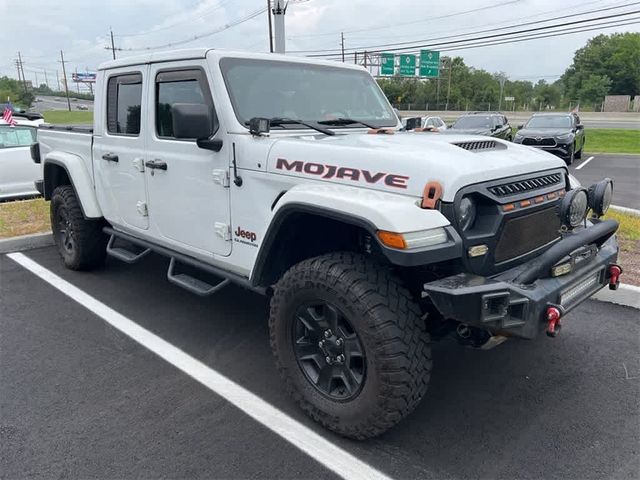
x=553 y=315
x=614 y=276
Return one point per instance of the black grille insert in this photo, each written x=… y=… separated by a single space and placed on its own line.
x=527 y=185
x=477 y=145
x=546 y=142
x=523 y=234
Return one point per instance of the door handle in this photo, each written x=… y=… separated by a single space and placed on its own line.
x=110 y=157
x=156 y=164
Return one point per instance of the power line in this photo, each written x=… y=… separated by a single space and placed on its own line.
x=455 y=14
x=536 y=22
x=197 y=37
x=413 y=45
x=204 y=13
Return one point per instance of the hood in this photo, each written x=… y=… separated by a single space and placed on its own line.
x=544 y=132
x=403 y=162
x=470 y=131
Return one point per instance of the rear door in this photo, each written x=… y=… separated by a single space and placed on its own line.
x=17 y=171
x=119 y=152
x=189 y=195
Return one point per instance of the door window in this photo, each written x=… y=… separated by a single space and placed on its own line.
x=124 y=97
x=16 y=136
x=182 y=86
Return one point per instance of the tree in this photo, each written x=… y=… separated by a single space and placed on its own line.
x=615 y=56
x=594 y=88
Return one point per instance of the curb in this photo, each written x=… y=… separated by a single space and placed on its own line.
x=626 y=295
x=26 y=242
x=632 y=211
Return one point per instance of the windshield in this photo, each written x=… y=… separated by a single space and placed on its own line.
x=549 y=121
x=473 y=121
x=17 y=136
x=273 y=89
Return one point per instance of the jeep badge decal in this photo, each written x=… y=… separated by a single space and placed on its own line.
x=245 y=236
x=333 y=171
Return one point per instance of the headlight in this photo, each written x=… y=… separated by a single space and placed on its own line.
x=412 y=240
x=466 y=213
x=518 y=136
x=574 y=207
x=566 y=136
x=600 y=195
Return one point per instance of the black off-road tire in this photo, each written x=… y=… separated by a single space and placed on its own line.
x=571 y=157
x=85 y=248
x=388 y=323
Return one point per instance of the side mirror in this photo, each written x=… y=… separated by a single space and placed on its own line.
x=191 y=121
x=579 y=127
x=521 y=126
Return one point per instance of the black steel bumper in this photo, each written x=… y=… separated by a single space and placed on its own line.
x=515 y=301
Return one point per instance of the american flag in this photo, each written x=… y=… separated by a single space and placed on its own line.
x=7 y=116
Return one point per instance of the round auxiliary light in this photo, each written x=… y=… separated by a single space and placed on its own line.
x=600 y=195
x=574 y=206
x=466 y=213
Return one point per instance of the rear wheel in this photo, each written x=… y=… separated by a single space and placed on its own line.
x=349 y=343
x=81 y=242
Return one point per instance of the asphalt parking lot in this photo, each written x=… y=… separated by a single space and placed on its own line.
x=81 y=399
x=623 y=169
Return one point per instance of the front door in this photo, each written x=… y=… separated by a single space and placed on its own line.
x=119 y=153
x=187 y=186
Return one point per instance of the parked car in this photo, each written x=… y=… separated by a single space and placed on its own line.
x=434 y=123
x=491 y=124
x=82 y=106
x=559 y=133
x=18 y=173
x=291 y=177
x=21 y=112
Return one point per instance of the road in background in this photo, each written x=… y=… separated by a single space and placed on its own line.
x=629 y=120
x=45 y=103
x=624 y=170
x=87 y=401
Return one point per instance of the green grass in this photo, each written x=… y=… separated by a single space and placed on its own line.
x=64 y=116
x=24 y=217
x=612 y=140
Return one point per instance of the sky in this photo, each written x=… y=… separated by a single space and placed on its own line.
x=39 y=29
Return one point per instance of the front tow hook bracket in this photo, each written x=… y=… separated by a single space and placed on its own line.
x=553 y=316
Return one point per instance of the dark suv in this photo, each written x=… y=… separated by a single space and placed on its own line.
x=559 y=133
x=492 y=124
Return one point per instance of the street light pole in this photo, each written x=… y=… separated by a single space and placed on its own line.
x=270 y=26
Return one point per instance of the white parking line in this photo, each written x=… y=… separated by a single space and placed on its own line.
x=317 y=447
x=584 y=163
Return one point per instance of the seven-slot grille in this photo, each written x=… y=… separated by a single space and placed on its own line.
x=528 y=185
x=477 y=145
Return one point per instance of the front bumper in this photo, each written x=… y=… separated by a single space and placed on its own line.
x=514 y=302
x=560 y=150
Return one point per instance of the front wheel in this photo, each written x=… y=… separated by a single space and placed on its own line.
x=80 y=241
x=349 y=343
x=572 y=155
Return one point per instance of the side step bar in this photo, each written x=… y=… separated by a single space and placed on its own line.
x=190 y=283
x=193 y=284
x=123 y=254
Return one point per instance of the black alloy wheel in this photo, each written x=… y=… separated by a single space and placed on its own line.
x=328 y=350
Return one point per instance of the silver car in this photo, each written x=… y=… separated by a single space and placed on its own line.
x=18 y=172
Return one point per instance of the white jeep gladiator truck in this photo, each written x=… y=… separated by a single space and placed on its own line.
x=294 y=178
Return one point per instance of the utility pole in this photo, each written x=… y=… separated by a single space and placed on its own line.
x=18 y=68
x=66 y=85
x=270 y=26
x=279 y=11
x=113 y=45
x=449 y=86
x=24 y=80
x=342 y=43
x=77 y=82
x=46 y=80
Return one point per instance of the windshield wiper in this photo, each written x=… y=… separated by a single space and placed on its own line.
x=279 y=121
x=346 y=121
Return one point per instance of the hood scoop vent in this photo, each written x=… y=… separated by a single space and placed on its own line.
x=478 y=145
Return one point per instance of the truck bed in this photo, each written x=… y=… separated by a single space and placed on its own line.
x=69 y=139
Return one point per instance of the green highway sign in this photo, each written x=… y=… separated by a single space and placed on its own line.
x=387 y=63
x=429 y=63
x=408 y=65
